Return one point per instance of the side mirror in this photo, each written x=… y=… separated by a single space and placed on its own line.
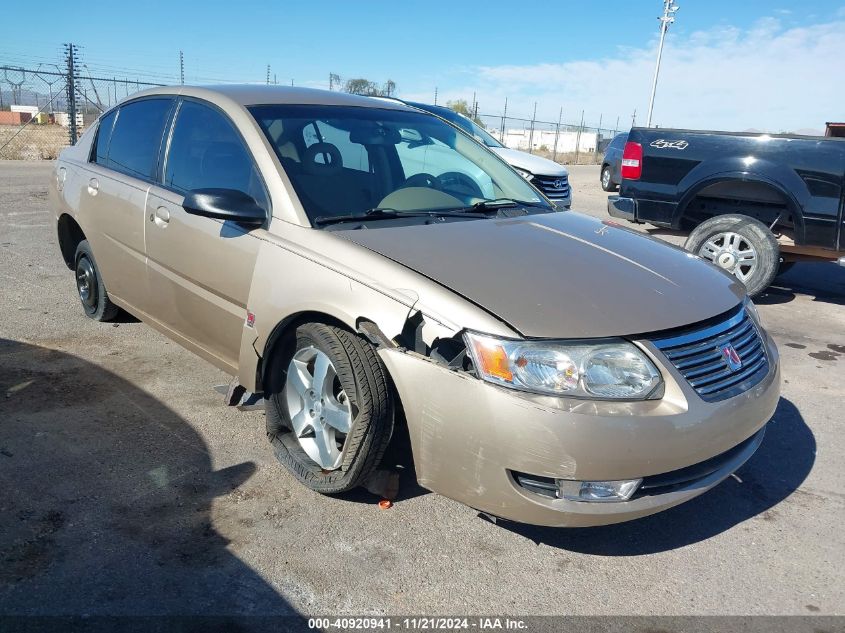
x=225 y=204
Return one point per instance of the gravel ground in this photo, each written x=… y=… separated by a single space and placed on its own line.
x=127 y=488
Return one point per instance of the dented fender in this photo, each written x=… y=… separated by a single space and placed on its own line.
x=303 y=270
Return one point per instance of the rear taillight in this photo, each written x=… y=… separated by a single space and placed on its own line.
x=632 y=161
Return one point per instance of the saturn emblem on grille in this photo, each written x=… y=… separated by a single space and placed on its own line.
x=731 y=357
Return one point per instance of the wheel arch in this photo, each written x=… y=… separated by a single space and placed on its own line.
x=282 y=334
x=281 y=340
x=734 y=187
x=70 y=234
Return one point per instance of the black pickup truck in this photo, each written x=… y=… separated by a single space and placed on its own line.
x=750 y=203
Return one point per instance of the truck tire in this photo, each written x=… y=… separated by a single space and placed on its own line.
x=606 y=179
x=329 y=408
x=89 y=284
x=741 y=245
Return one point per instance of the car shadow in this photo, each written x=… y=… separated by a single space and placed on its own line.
x=824 y=281
x=105 y=503
x=779 y=467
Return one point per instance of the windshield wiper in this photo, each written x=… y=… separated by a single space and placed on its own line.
x=387 y=213
x=503 y=203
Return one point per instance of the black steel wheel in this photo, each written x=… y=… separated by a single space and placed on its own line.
x=89 y=284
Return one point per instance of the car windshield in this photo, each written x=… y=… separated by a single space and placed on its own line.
x=346 y=160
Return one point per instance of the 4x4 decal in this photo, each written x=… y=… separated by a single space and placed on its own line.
x=661 y=143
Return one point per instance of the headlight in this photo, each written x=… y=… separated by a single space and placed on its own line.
x=525 y=174
x=610 y=370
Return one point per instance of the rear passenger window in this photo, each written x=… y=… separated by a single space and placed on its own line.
x=207 y=152
x=136 y=138
x=101 y=150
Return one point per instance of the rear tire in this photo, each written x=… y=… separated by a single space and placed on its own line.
x=327 y=456
x=741 y=245
x=606 y=180
x=89 y=284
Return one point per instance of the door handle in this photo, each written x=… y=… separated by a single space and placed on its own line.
x=161 y=217
x=93 y=186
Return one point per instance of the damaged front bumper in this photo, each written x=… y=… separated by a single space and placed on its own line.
x=471 y=441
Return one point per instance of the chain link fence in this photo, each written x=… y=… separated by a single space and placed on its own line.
x=566 y=143
x=45 y=109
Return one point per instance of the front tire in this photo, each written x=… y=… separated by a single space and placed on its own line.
x=89 y=284
x=606 y=181
x=741 y=245
x=329 y=408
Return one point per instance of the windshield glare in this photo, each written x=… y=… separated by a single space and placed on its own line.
x=345 y=160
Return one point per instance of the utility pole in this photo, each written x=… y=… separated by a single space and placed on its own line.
x=578 y=138
x=181 y=68
x=504 y=116
x=634 y=118
x=435 y=95
x=669 y=10
x=531 y=133
x=557 y=134
x=72 y=62
x=268 y=74
x=598 y=135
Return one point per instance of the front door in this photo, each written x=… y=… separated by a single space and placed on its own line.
x=200 y=269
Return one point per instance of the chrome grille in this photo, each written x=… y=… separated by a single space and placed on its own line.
x=698 y=354
x=555 y=187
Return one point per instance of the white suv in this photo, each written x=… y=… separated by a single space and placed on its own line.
x=548 y=176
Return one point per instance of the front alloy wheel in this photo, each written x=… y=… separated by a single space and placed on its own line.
x=319 y=407
x=329 y=405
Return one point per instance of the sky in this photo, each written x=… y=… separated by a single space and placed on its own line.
x=774 y=65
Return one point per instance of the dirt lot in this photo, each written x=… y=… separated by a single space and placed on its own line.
x=33 y=142
x=127 y=488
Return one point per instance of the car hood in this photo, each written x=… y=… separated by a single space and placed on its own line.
x=561 y=275
x=536 y=165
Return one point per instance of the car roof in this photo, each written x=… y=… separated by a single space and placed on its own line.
x=258 y=94
x=434 y=108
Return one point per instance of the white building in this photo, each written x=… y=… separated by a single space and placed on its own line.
x=517 y=138
x=63 y=119
x=30 y=110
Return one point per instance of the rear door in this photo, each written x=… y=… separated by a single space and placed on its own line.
x=113 y=200
x=200 y=269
